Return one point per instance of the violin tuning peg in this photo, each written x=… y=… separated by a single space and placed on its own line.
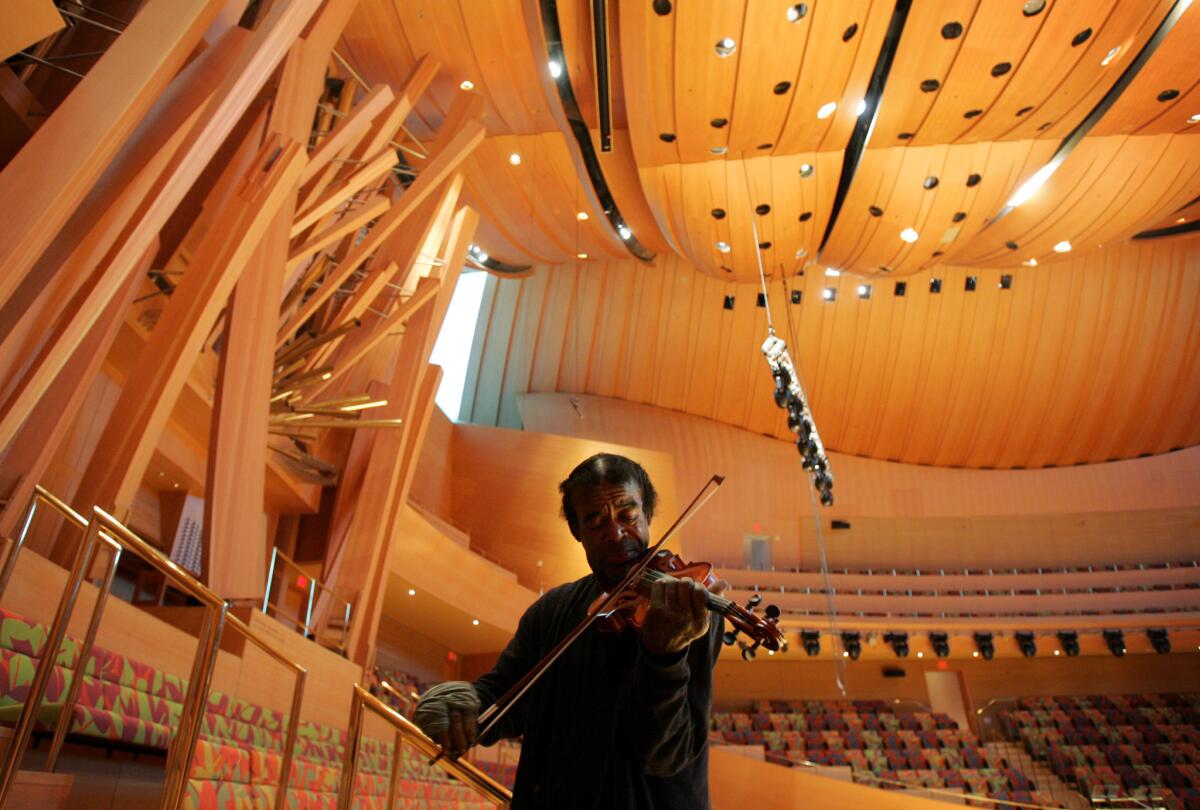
x=729 y=638
x=748 y=653
x=754 y=601
x=772 y=612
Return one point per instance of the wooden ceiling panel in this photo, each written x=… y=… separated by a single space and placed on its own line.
x=1106 y=190
x=703 y=82
x=1174 y=67
x=893 y=181
x=1089 y=360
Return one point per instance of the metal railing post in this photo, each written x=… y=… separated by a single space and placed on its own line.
x=312 y=592
x=270 y=578
x=11 y=763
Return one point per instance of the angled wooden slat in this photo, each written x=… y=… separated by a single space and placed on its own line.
x=431 y=177
x=375 y=206
x=334 y=197
x=349 y=130
x=59 y=165
x=230 y=100
x=120 y=459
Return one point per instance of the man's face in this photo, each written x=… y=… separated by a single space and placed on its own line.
x=612 y=527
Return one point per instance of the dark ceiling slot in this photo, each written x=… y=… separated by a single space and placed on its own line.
x=1110 y=98
x=583 y=137
x=1170 y=230
x=856 y=147
x=500 y=268
x=603 y=92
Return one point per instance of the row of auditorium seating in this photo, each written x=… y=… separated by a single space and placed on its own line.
x=1139 y=746
x=983 y=572
x=881 y=743
x=238 y=758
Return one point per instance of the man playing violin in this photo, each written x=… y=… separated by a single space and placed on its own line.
x=621 y=719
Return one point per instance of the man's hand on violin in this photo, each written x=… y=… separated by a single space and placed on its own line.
x=678 y=615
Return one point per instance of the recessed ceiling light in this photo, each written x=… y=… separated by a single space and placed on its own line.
x=723 y=247
x=1195 y=119
x=718 y=150
x=826 y=110
x=832 y=272
x=582 y=216
x=801 y=253
x=864 y=290
x=1062 y=247
x=412 y=592
x=515 y=159
x=475 y=622
x=797 y=12
x=1058 y=652
x=726 y=46
x=909 y=235
x=862 y=107
x=466 y=84
x=1030 y=262
x=1111 y=55
x=580 y=255
x=806 y=170
x=556 y=69
x=829 y=293
x=920 y=654
x=975 y=653
x=624 y=232
x=845 y=654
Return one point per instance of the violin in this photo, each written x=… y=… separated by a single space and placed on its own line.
x=629 y=607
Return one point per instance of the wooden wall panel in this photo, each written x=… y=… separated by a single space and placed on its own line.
x=901 y=515
x=1090 y=360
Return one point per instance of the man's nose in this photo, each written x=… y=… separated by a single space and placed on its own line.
x=611 y=530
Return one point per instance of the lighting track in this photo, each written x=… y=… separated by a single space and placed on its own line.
x=552 y=33
x=1085 y=126
x=856 y=147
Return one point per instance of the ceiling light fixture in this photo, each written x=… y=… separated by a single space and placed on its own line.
x=466 y=84
x=1032 y=185
x=1030 y=262
x=582 y=216
x=515 y=159
x=862 y=107
x=909 y=235
x=624 y=231
x=580 y=255
x=726 y=46
x=796 y=13
x=832 y=272
x=1111 y=55
x=1062 y=247
x=829 y=293
x=556 y=68
x=826 y=110
x=1195 y=119
x=412 y=592
x=723 y=247
x=475 y=622
x=806 y=170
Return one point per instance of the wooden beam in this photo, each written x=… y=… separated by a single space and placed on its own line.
x=65 y=157
x=26 y=22
x=368 y=173
x=375 y=207
x=235 y=528
x=348 y=131
x=431 y=176
x=119 y=461
x=231 y=99
x=37 y=444
x=81 y=246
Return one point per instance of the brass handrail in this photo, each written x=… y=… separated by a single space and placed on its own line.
x=407 y=700
x=289 y=742
x=40 y=494
x=103 y=527
x=406 y=730
x=313 y=584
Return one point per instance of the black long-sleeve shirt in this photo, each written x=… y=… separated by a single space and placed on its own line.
x=608 y=726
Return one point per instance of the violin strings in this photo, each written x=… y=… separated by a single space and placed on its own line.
x=722 y=604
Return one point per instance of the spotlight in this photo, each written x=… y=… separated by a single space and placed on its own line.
x=986 y=647
x=1028 y=644
x=941 y=644
x=899 y=642
x=1159 y=640
x=812 y=641
x=1115 y=640
x=852 y=644
x=1070 y=642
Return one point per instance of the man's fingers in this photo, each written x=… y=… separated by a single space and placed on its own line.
x=458 y=739
x=470 y=730
x=719 y=587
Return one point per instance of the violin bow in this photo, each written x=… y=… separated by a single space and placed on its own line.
x=492 y=714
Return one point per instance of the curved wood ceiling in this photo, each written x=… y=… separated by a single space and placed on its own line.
x=979 y=98
x=1093 y=359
